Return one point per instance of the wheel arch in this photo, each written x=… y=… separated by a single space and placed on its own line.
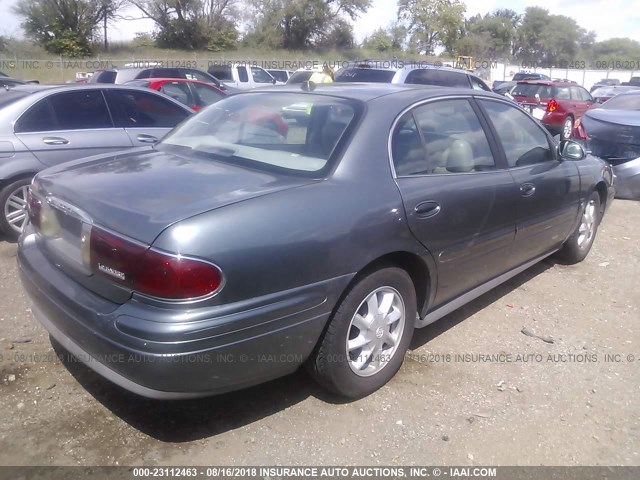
x=422 y=275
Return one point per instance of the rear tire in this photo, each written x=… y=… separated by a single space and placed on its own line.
x=567 y=128
x=578 y=245
x=13 y=208
x=368 y=335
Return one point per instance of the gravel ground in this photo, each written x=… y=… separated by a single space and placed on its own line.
x=568 y=395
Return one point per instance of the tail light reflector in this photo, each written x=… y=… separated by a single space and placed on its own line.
x=552 y=105
x=579 y=131
x=34 y=209
x=151 y=272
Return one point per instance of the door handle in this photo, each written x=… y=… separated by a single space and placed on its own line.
x=55 y=140
x=527 y=189
x=144 y=138
x=427 y=209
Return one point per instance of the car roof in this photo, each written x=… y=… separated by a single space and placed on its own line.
x=551 y=83
x=370 y=91
x=170 y=79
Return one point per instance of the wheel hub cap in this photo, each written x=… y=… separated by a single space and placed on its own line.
x=587 y=224
x=375 y=331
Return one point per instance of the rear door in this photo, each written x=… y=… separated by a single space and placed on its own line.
x=458 y=199
x=146 y=117
x=70 y=125
x=548 y=188
x=582 y=100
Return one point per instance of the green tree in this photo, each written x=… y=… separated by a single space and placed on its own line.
x=192 y=24
x=64 y=27
x=432 y=23
x=300 y=24
x=546 y=39
x=380 y=40
x=616 y=49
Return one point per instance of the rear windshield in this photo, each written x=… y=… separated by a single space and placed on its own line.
x=623 y=102
x=300 y=77
x=530 y=90
x=295 y=133
x=221 y=73
x=442 y=78
x=365 y=75
x=105 y=76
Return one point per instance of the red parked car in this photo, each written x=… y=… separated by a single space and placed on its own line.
x=197 y=95
x=556 y=104
x=193 y=93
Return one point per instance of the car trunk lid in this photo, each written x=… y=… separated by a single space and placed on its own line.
x=135 y=195
x=614 y=135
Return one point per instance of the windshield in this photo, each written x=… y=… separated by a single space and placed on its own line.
x=623 y=102
x=290 y=131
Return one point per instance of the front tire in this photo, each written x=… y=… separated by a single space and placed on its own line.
x=368 y=335
x=578 y=245
x=13 y=208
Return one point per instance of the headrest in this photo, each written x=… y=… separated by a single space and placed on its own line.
x=460 y=157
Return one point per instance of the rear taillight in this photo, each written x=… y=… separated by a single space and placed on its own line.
x=151 y=272
x=552 y=105
x=579 y=131
x=34 y=208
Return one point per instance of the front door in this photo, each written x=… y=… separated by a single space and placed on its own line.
x=145 y=116
x=548 y=187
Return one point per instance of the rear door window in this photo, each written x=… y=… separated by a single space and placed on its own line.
x=79 y=110
x=563 y=93
x=178 y=91
x=243 y=76
x=453 y=141
x=132 y=108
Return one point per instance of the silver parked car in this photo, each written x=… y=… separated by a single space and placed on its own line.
x=44 y=125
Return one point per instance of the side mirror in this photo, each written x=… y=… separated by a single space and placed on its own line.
x=273 y=81
x=571 y=150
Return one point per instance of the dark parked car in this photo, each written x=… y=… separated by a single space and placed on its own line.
x=612 y=132
x=602 y=94
x=556 y=104
x=43 y=125
x=605 y=82
x=192 y=93
x=409 y=74
x=230 y=254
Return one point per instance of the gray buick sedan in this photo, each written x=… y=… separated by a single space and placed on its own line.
x=237 y=250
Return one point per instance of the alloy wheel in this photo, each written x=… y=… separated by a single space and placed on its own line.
x=15 y=208
x=587 y=224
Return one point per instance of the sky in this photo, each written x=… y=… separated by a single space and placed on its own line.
x=608 y=18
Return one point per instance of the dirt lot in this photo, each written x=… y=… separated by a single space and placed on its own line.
x=570 y=402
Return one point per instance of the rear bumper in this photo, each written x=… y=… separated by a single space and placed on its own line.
x=628 y=179
x=172 y=354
